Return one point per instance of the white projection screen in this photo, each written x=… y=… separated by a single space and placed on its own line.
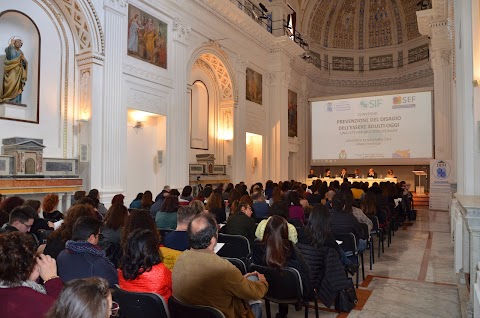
x=378 y=129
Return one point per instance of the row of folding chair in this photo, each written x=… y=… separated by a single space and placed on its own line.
x=151 y=305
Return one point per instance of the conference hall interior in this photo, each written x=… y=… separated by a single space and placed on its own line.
x=319 y=104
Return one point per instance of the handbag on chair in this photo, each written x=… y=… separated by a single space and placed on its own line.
x=346 y=298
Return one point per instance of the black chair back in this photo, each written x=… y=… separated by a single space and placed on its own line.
x=349 y=245
x=284 y=286
x=179 y=309
x=145 y=305
x=236 y=246
x=238 y=263
x=162 y=233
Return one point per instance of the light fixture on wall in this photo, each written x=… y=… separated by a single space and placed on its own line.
x=138 y=126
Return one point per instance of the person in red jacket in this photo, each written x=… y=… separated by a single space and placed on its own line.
x=20 y=294
x=141 y=268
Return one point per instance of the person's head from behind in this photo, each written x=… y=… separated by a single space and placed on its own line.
x=116 y=216
x=318 y=226
x=94 y=195
x=79 y=194
x=275 y=239
x=87 y=228
x=215 y=201
x=207 y=192
x=83 y=298
x=118 y=198
x=140 y=253
x=138 y=219
x=34 y=204
x=22 y=218
x=187 y=191
x=338 y=203
x=184 y=215
x=279 y=208
x=348 y=200
x=17 y=258
x=197 y=207
x=170 y=204
x=50 y=202
x=246 y=198
x=202 y=232
x=293 y=198
x=76 y=211
x=147 y=199
x=11 y=203
x=258 y=197
x=88 y=201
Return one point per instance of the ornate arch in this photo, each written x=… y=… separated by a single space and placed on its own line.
x=211 y=54
x=85 y=24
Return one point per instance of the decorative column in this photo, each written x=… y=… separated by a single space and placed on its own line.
x=177 y=152
x=110 y=121
x=239 y=160
x=90 y=101
x=278 y=123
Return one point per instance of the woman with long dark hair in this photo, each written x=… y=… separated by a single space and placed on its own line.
x=215 y=207
x=141 y=268
x=147 y=200
x=166 y=218
x=277 y=251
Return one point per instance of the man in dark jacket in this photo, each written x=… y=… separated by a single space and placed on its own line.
x=21 y=219
x=82 y=257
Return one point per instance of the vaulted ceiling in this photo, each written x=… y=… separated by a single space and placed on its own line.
x=360 y=24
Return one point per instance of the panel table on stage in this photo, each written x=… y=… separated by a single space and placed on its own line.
x=370 y=181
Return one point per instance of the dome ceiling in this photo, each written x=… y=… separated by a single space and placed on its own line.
x=363 y=24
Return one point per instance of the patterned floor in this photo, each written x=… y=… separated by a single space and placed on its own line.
x=413 y=278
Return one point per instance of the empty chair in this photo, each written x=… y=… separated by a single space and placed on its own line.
x=284 y=287
x=369 y=244
x=145 y=305
x=236 y=246
x=179 y=309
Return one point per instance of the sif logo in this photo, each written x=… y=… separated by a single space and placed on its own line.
x=397 y=100
x=369 y=104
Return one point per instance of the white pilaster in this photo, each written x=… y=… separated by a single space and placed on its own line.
x=239 y=130
x=177 y=152
x=110 y=122
x=278 y=124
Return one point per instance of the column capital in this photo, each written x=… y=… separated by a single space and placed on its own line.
x=181 y=31
x=278 y=78
x=241 y=64
x=119 y=6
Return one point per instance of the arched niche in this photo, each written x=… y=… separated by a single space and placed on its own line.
x=16 y=25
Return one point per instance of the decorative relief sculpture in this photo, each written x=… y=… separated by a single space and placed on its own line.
x=15 y=74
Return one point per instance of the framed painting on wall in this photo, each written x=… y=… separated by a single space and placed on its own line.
x=254 y=86
x=292 y=114
x=147 y=37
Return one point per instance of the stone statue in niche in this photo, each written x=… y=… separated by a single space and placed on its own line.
x=15 y=74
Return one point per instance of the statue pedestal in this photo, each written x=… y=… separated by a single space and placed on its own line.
x=11 y=110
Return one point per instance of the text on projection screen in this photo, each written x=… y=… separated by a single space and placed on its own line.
x=395 y=126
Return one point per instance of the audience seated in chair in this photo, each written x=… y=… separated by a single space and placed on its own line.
x=277 y=251
x=216 y=207
x=200 y=277
x=323 y=256
x=56 y=240
x=141 y=268
x=278 y=208
x=111 y=233
x=242 y=222
x=178 y=239
x=49 y=206
x=85 y=298
x=82 y=257
x=21 y=220
x=260 y=206
x=20 y=294
x=166 y=218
